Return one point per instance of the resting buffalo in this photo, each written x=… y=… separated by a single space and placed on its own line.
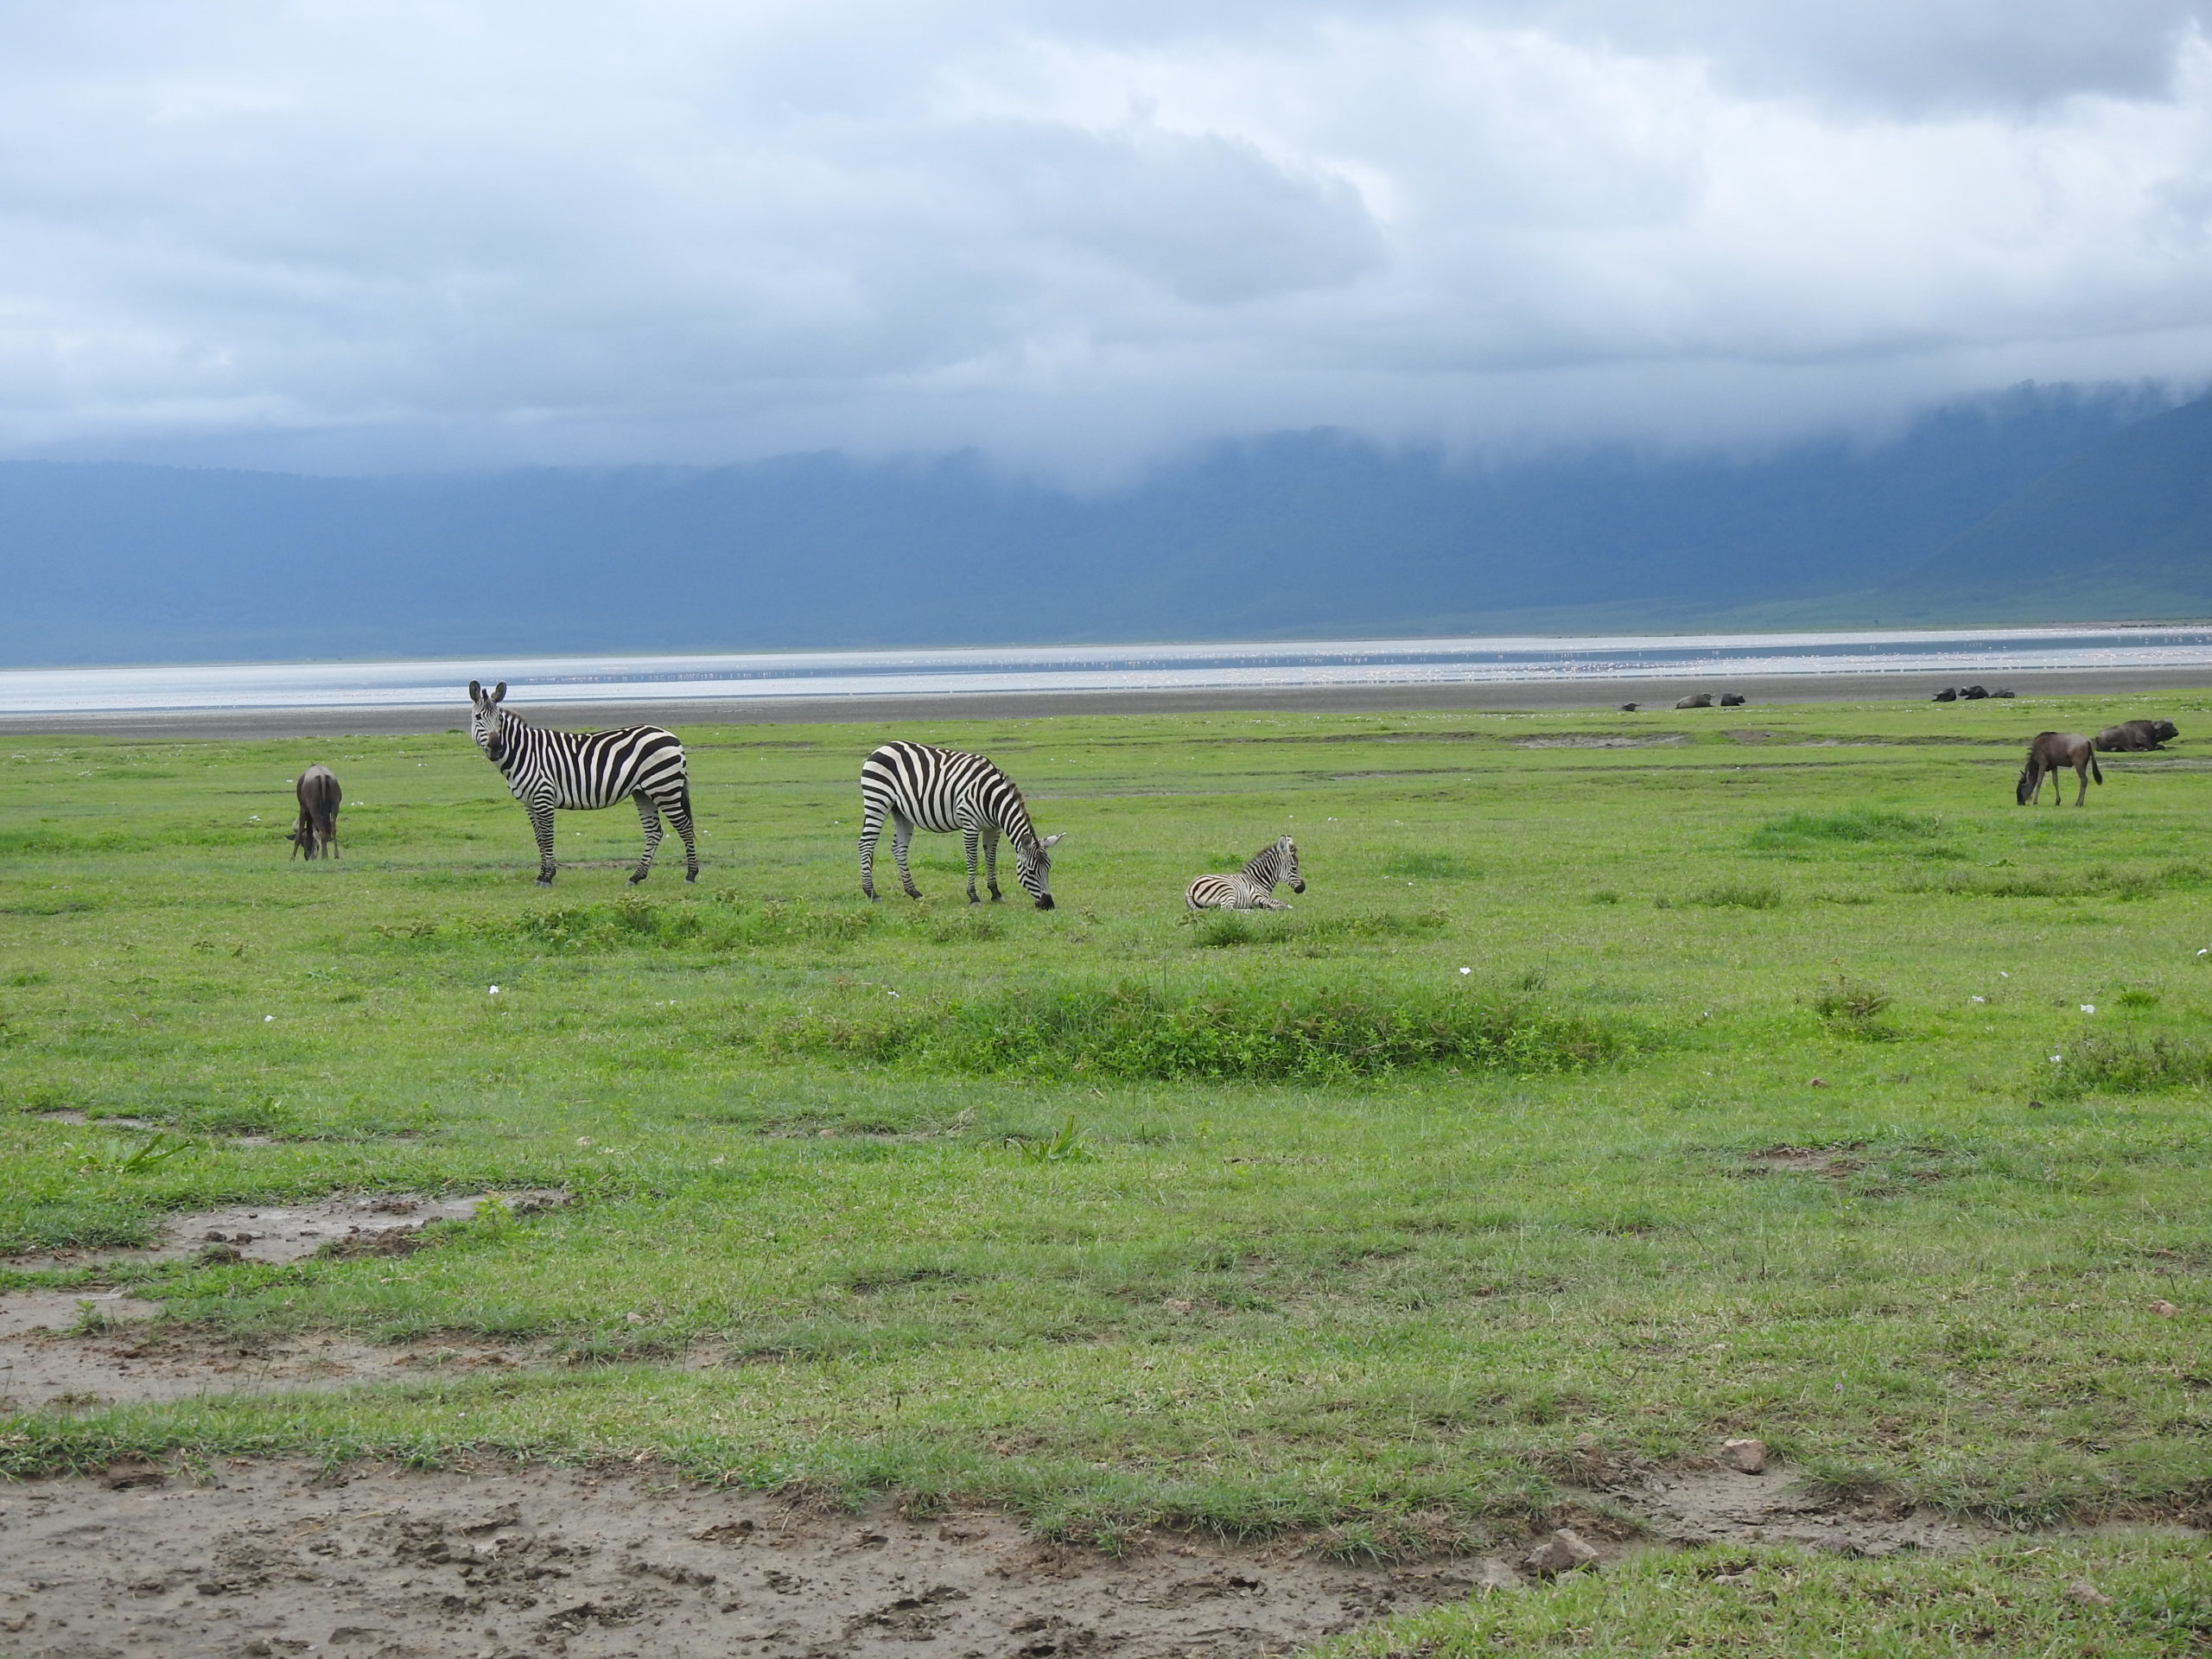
x=2048 y=754
x=1628 y=708
x=1948 y=693
x=2133 y=736
x=1702 y=700
x=1731 y=699
x=1972 y=693
x=317 y=828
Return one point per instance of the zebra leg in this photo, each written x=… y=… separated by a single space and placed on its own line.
x=902 y=831
x=871 y=827
x=991 y=864
x=541 y=820
x=679 y=814
x=650 y=820
x=968 y=840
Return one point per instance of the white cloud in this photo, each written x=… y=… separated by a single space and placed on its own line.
x=347 y=235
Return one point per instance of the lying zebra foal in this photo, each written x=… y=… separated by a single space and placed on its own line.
x=1252 y=887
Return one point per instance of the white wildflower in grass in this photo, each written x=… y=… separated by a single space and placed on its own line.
x=491 y=991
x=267 y=1018
x=1981 y=998
x=2055 y=1059
x=583 y=1140
x=2089 y=1007
x=1466 y=970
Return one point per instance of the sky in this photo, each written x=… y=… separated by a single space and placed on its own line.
x=1077 y=237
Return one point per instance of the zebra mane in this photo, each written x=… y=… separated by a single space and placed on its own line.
x=1263 y=865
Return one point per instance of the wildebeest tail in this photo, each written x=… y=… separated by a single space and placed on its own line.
x=2095 y=770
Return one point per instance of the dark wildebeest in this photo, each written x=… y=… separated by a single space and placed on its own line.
x=1731 y=699
x=1948 y=693
x=1702 y=700
x=2132 y=736
x=2001 y=692
x=2049 y=753
x=1628 y=708
x=1972 y=693
x=317 y=828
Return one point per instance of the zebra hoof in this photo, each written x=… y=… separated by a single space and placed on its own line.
x=544 y=880
x=691 y=877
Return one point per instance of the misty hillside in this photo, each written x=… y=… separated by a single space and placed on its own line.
x=2125 y=528
x=1305 y=534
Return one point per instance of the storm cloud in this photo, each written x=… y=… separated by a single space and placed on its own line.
x=353 y=236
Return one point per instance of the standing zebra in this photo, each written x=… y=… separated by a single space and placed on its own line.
x=944 y=789
x=1252 y=887
x=586 y=770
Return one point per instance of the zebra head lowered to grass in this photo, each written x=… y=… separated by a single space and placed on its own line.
x=1252 y=887
x=917 y=786
x=584 y=771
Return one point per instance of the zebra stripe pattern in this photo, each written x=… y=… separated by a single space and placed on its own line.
x=585 y=770
x=1252 y=887
x=917 y=786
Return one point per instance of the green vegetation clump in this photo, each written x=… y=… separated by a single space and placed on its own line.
x=1739 y=895
x=719 y=923
x=2098 y=1064
x=1852 y=1008
x=1244 y=1032
x=1856 y=826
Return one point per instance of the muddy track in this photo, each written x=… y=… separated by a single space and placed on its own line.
x=277 y=1559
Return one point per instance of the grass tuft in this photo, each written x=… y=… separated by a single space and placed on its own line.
x=1740 y=895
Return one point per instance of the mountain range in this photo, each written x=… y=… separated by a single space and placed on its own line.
x=2040 y=504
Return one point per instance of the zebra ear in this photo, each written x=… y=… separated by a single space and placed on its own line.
x=1050 y=841
x=476 y=691
x=499 y=692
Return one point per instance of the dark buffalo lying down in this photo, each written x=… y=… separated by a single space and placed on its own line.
x=2050 y=753
x=2133 y=736
x=317 y=828
x=1701 y=700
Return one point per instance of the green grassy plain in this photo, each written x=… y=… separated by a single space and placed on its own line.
x=1029 y=1208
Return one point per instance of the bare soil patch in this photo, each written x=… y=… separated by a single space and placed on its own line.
x=1722 y=1506
x=1600 y=740
x=1826 y=1161
x=53 y=1357
x=291 y=1232
x=261 y=1559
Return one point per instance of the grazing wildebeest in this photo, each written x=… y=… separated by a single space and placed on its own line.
x=1731 y=699
x=1252 y=887
x=2135 y=735
x=1948 y=693
x=2050 y=753
x=1702 y=700
x=317 y=828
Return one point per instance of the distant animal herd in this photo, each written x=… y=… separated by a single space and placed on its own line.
x=918 y=787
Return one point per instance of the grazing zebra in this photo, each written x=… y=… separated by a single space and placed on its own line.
x=586 y=770
x=1252 y=887
x=944 y=789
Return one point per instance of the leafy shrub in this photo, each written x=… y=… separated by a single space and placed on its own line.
x=2126 y=1066
x=1855 y=826
x=1251 y=1034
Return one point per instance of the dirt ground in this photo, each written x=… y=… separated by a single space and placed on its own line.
x=70 y=1349
x=255 y=1559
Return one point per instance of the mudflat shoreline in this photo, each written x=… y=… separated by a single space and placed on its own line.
x=1501 y=696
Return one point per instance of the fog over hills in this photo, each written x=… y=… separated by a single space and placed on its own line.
x=2051 y=502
